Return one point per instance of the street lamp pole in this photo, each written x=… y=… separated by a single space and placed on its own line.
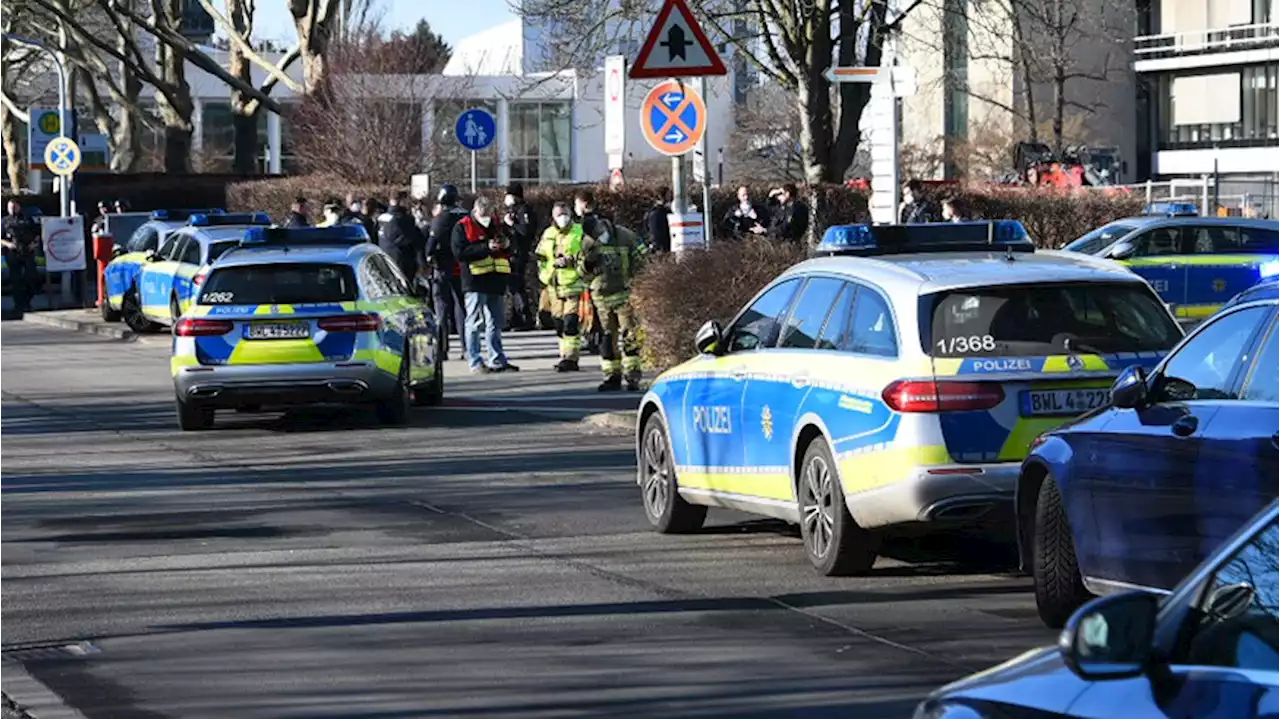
x=64 y=115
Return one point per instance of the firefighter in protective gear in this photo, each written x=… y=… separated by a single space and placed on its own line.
x=611 y=259
x=559 y=256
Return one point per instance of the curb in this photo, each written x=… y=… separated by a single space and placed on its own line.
x=617 y=421
x=27 y=698
x=93 y=328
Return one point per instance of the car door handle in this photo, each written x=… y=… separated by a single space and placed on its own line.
x=738 y=374
x=801 y=380
x=1186 y=426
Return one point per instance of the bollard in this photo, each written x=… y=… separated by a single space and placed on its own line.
x=103 y=249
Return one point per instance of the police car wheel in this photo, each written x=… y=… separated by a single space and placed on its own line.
x=833 y=541
x=432 y=393
x=394 y=410
x=131 y=310
x=192 y=418
x=1059 y=589
x=108 y=314
x=175 y=310
x=663 y=506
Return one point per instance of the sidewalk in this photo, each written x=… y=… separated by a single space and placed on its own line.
x=87 y=321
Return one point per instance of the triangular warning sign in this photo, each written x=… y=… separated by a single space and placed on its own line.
x=676 y=47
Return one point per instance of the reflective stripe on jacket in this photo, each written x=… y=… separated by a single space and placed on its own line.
x=499 y=261
x=567 y=281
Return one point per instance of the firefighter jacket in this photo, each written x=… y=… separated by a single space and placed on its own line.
x=612 y=262
x=568 y=243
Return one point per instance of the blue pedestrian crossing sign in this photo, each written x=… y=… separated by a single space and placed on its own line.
x=62 y=156
x=476 y=128
x=673 y=118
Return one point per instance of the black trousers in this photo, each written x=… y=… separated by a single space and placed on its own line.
x=451 y=310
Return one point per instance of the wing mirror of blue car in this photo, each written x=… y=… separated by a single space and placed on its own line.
x=1120 y=250
x=1130 y=388
x=1111 y=637
x=709 y=338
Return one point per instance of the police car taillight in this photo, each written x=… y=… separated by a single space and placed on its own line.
x=930 y=396
x=201 y=327
x=198 y=280
x=350 y=323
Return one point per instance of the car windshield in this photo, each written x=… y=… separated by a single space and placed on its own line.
x=1099 y=239
x=218 y=249
x=279 y=284
x=1030 y=320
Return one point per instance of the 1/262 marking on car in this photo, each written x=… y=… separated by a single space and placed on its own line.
x=277 y=331
x=1063 y=401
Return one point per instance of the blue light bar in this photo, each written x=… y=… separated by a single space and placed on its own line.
x=1270 y=268
x=303 y=236
x=234 y=218
x=1172 y=209
x=931 y=237
x=182 y=215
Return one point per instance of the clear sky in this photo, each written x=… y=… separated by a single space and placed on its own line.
x=454 y=19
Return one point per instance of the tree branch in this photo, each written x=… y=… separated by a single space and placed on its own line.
x=246 y=49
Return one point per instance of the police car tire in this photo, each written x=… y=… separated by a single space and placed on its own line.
x=108 y=314
x=432 y=393
x=853 y=549
x=394 y=410
x=192 y=418
x=1059 y=589
x=136 y=322
x=175 y=309
x=677 y=516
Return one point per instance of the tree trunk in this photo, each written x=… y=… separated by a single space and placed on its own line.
x=175 y=110
x=854 y=96
x=1025 y=61
x=314 y=20
x=813 y=98
x=1059 y=74
x=12 y=149
x=126 y=139
x=245 y=152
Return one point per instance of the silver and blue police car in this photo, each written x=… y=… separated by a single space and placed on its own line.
x=124 y=290
x=305 y=316
x=1194 y=263
x=899 y=381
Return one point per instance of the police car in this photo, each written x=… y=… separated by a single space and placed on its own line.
x=900 y=380
x=123 y=297
x=304 y=316
x=1195 y=264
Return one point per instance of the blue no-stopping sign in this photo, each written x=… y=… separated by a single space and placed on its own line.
x=476 y=129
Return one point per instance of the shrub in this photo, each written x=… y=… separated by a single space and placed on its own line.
x=675 y=295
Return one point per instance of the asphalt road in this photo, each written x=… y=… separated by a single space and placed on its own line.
x=490 y=560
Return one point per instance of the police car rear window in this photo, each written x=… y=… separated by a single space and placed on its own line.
x=218 y=249
x=1025 y=320
x=281 y=284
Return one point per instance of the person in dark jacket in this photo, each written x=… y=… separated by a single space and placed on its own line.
x=520 y=225
x=482 y=245
x=746 y=218
x=398 y=236
x=655 y=222
x=21 y=242
x=446 y=275
x=368 y=218
x=351 y=210
x=914 y=207
x=298 y=214
x=791 y=220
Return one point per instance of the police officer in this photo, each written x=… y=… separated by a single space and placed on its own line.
x=520 y=225
x=446 y=284
x=298 y=214
x=21 y=241
x=100 y=222
x=398 y=236
x=612 y=262
x=559 y=254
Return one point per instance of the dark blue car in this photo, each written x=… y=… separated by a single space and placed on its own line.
x=1136 y=494
x=1207 y=650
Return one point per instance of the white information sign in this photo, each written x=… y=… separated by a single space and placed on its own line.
x=615 y=109
x=63 y=239
x=686 y=232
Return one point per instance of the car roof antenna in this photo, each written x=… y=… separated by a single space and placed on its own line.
x=1008 y=254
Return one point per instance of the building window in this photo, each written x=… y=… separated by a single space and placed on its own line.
x=1231 y=109
x=540 y=137
x=449 y=159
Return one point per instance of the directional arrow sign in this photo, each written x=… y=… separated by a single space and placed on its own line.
x=676 y=47
x=673 y=118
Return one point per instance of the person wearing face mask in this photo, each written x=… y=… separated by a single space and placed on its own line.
x=483 y=248
x=746 y=218
x=612 y=262
x=559 y=253
x=332 y=214
x=399 y=237
x=516 y=218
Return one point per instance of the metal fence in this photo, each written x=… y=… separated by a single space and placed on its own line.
x=1225 y=198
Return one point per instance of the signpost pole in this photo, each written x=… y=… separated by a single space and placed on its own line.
x=706 y=175
x=473 y=172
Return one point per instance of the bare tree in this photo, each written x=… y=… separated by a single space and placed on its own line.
x=315 y=21
x=791 y=43
x=764 y=145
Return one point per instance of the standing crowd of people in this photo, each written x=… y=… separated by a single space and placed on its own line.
x=474 y=260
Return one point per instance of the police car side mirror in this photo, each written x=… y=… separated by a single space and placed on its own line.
x=1111 y=637
x=1130 y=388
x=709 y=338
x=1120 y=250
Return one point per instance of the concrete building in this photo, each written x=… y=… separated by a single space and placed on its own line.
x=972 y=102
x=1207 y=97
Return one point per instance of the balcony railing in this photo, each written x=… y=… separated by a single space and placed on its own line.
x=1200 y=42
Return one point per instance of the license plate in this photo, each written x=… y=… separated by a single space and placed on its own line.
x=1063 y=401
x=277 y=331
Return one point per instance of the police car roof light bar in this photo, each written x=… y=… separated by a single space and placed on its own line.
x=235 y=218
x=184 y=215
x=304 y=236
x=1172 y=209
x=870 y=240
